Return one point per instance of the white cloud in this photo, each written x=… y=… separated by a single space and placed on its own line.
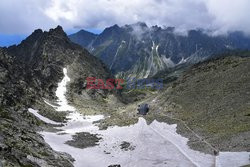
x=18 y=16
x=230 y=15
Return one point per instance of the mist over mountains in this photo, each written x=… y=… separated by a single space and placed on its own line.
x=220 y=16
x=137 y=50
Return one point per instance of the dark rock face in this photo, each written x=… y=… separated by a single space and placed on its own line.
x=30 y=72
x=141 y=51
x=114 y=165
x=20 y=145
x=126 y=146
x=83 y=38
x=44 y=54
x=13 y=86
x=84 y=140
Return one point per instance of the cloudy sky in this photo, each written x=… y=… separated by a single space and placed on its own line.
x=19 y=18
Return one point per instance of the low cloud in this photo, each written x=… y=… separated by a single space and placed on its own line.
x=17 y=17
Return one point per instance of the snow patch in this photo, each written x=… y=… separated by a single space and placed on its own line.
x=60 y=93
x=115 y=56
x=182 y=61
x=156 y=145
x=44 y=119
x=233 y=159
x=168 y=62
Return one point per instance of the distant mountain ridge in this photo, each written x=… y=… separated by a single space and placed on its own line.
x=137 y=50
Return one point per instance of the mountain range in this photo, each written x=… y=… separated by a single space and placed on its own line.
x=209 y=97
x=137 y=50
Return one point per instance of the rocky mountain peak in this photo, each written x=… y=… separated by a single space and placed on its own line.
x=113 y=29
x=85 y=32
x=41 y=57
x=141 y=24
x=156 y=28
x=30 y=72
x=58 y=31
x=32 y=38
x=32 y=49
x=83 y=38
x=136 y=26
x=37 y=31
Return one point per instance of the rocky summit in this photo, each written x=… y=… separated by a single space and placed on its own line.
x=29 y=73
x=137 y=50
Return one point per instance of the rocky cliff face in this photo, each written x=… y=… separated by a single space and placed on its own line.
x=141 y=51
x=30 y=72
x=13 y=87
x=44 y=54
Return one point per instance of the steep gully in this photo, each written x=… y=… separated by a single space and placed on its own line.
x=156 y=144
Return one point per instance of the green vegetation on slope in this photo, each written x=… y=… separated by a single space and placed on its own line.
x=212 y=98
